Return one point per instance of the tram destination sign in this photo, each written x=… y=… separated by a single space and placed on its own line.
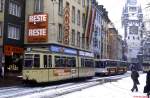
x=38 y=28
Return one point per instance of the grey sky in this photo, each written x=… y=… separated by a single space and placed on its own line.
x=114 y=8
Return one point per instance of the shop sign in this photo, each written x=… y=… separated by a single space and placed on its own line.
x=84 y=53
x=38 y=28
x=10 y=50
x=66 y=24
x=70 y=51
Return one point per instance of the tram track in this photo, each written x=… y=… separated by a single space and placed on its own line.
x=54 y=91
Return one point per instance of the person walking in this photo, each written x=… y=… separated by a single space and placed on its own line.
x=0 y=70
x=2 y=73
x=147 y=86
x=134 y=77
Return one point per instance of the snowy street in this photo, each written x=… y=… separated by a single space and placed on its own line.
x=119 y=89
x=98 y=87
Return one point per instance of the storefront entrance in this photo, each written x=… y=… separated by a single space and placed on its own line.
x=13 y=60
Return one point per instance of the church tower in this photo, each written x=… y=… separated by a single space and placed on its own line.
x=132 y=19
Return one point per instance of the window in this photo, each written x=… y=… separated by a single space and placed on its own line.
x=60 y=8
x=31 y=60
x=47 y=61
x=38 y=5
x=60 y=33
x=73 y=38
x=65 y=61
x=83 y=3
x=36 y=60
x=14 y=8
x=133 y=37
x=78 y=39
x=87 y=62
x=1 y=5
x=1 y=29
x=79 y=1
x=78 y=17
x=83 y=20
x=133 y=30
x=14 y=32
x=73 y=14
x=83 y=41
x=132 y=9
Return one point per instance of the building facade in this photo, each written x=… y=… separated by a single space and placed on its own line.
x=97 y=33
x=104 y=38
x=12 y=16
x=132 y=19
x=146 y=37
x=65 y=23
x=120 y=47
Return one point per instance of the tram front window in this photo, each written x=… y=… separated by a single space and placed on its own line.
x=31 y=60
x=89 y=63
x=99 y=64
x=28 y=60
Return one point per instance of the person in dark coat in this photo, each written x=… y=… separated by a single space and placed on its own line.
x=147 y=86
x=134 y=77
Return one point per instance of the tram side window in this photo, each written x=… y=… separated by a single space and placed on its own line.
x=47 y=61
x=71 y=62
x=28 y=60
x=98 y=64
x=50 y=61
x=36 y=60
x=58 y=61
x=89 y=63
x=82 y=62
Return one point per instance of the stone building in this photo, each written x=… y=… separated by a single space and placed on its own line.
x=132 y=18
x=12 y=19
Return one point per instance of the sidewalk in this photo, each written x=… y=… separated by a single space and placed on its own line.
x=10 y=80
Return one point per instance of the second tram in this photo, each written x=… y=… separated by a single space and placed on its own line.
x=110 y=67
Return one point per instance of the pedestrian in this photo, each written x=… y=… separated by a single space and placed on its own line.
x=134 y=77
x=2 y=73
x=0 y=70
x=147 y=86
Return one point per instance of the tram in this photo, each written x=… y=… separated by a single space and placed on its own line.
x=110 y=67
x=57 y=63
x=146 y=66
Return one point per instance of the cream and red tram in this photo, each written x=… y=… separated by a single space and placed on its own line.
x=57 y=63
x=146 y=66
x=109 y=67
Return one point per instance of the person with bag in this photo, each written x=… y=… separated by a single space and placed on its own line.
x=147 y=86
x=134 y=77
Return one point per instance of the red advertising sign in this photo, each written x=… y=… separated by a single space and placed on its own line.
x=62 y=72
x=38 y=28
x=66 y=24
x=10 y=50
